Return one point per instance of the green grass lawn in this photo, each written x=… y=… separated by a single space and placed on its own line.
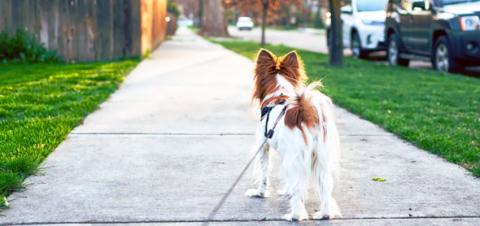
x=439 y=113
x=40 y=104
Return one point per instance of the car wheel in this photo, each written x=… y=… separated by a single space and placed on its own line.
x=393 y=52
x=356 y=46
x=442 y=58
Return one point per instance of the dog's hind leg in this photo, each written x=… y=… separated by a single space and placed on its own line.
x=325 y=170
x=260 y=172
x=328 y=205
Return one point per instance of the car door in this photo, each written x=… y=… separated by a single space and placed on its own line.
x=421 y=30
x=406 y=24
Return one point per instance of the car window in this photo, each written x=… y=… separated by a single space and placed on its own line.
x=371 y=5
x=415 y=5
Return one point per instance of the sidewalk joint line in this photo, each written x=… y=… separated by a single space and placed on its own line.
x=162 y=134
x=243 y=220
x=198 y=134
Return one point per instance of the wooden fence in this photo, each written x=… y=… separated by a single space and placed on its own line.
x=88 y=30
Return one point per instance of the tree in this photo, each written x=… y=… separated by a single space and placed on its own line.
x=213 y=21
x=264 y=20
x=335 y=39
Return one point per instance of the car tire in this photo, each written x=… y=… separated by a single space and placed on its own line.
x=442 y=59
x=356 y=46
x=393 y=52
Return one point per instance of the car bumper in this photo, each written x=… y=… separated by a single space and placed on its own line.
x=372 y=37
x=244 y=27
x=466 y=47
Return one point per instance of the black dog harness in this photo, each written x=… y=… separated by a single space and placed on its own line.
x=265 y=111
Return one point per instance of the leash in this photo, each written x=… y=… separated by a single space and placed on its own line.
x=224 y=198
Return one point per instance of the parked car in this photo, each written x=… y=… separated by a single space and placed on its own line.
x=244 y=23
x=363 y=24
x=445 y=32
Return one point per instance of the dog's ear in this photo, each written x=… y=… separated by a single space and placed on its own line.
x=265 y=57
x=291 y=59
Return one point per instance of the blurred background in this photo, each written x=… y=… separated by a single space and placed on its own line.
x=364 y=27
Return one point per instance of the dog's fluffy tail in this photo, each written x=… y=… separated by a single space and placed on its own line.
x=314 y=111
x=326 y=151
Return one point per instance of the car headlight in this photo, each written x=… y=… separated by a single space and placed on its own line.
x=469 y=23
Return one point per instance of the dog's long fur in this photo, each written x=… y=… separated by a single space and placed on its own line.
x=306 y=136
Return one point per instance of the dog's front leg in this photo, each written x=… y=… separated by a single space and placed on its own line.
x=260 y=171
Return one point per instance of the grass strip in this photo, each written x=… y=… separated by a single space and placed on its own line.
x=40 y=104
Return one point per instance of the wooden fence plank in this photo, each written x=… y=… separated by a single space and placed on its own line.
x=88 y=30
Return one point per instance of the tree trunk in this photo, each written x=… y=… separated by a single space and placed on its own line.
x=264 y=20
x=213 y=22
x=200 y=12
x=336 y=45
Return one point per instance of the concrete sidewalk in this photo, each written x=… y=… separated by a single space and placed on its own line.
x=168 y=145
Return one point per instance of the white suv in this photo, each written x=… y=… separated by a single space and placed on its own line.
x=363 y=26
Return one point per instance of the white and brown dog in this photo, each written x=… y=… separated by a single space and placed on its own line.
x=305 y=136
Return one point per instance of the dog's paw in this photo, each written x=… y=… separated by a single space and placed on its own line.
x=296 y=216
x=282 y=192
x=321 y=216
x=256 y=193
x=325 y=215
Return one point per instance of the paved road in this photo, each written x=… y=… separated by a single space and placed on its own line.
x=310 y=39
x=168 y=145
x=315 y=40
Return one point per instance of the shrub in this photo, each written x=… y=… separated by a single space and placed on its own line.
x=21 y=47
x=173 y=12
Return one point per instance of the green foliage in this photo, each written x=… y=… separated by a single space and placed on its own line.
x=40 y=104
x=21 y=47
x=172 y=8
x=436 y=112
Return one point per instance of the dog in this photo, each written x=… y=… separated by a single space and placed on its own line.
x=298 y=122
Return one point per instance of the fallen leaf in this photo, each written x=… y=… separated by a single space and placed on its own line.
x=379 y=179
